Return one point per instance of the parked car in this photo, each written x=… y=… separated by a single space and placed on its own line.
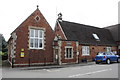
x=107 y=57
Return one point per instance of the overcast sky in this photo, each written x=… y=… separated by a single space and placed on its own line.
x=99 y=13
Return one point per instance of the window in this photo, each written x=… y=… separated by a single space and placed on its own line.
x=108 y=49
x=119 y=47
x=95 y=36
x=85 y=50
x=36 y=38
x=68 y=52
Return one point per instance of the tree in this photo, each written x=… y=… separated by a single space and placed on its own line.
x=3 y=47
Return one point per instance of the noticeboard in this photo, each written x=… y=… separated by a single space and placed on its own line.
x=22 y=54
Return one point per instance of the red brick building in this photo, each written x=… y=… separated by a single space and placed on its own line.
x=31 y=42
x=78 y=42
x=34 y=42
x=115 y=31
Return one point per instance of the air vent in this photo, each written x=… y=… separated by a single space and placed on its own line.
x=37 y=18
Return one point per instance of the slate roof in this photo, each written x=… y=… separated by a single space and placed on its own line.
x=115 y=31
x=83 y=34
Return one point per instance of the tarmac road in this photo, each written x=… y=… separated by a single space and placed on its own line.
x=87 y=71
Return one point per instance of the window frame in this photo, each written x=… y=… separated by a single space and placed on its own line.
x=36 y=38
x=68 y=47
x=108 y=49
x=86 y=50
x=119 y=47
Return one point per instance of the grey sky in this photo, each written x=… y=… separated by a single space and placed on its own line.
x=99 y=13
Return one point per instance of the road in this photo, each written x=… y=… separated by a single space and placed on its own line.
x=89 y=71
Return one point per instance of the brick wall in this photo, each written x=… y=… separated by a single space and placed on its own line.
x=93 y=51
x=73 y=45
x=118 y=47
x=59 y=32
x=34 y=55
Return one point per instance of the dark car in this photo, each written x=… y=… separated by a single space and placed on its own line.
x=107 y=57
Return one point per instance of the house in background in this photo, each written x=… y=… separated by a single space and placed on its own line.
x=31 y=42
x=115 y=31
x=76 y=42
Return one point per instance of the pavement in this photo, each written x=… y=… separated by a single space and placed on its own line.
x=57 y=66
x=6 y=64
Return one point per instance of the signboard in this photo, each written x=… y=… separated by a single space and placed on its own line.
x=22 y=54
x=22 y=49
x=77 y=53
x=68 y=43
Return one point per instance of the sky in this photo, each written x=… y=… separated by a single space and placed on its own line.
x=98 y=13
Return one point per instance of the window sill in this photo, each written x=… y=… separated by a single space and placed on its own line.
x=86 y=55
x=37 y=48
x=69 y=58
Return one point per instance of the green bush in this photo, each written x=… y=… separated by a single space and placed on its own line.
x=3 y=53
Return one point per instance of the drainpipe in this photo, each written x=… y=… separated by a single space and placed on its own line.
x=12 y=62
x=77 y=45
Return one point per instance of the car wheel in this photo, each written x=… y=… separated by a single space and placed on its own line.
x=97 y=62
x=108 y=61
x=118 y=60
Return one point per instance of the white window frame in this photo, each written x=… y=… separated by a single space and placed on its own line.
x=119 y=47
x=38 y=38
x=85 y=50
x=108 y=49
x=68 y=54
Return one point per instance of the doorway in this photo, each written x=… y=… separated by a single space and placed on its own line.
x=56 y=56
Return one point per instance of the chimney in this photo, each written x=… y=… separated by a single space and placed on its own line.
x=60 y=17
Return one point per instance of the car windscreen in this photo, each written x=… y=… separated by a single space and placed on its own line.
x=110 y=53
x=101 y=53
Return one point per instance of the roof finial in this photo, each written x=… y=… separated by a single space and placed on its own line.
x=37 y=6
x=60 y=16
